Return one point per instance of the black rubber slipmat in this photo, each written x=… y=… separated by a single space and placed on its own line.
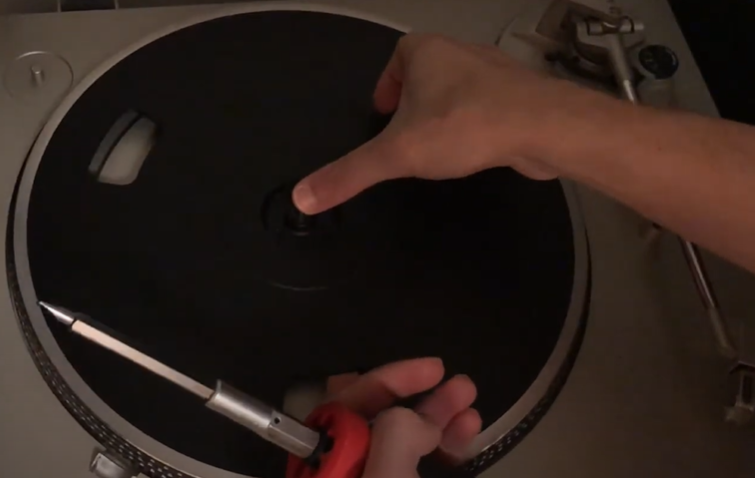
x=202 y=263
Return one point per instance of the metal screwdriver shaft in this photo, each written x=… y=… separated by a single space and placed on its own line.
x=264 y=420
x=91 y=333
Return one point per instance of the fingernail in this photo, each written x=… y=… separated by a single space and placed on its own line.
x=304 y=198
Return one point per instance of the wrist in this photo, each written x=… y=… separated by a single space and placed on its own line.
x=584 y=128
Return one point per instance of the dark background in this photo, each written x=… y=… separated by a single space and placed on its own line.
x=721 y=36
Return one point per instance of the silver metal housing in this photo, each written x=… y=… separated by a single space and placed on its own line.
x=647 y=387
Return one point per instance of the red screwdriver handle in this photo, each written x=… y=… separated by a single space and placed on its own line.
x=350 y=441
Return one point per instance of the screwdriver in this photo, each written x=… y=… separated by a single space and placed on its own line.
x=331 y=443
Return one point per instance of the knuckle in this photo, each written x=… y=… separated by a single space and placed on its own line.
x=399 y=421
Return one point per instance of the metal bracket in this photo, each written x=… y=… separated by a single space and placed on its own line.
x=107 y=465
x=742 y=381
x=741 y=409
x=560 y=31
x=608 y=38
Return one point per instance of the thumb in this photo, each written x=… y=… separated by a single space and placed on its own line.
x=343 y=179
x=400 y=437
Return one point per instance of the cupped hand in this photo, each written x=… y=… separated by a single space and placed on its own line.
x=443 y=421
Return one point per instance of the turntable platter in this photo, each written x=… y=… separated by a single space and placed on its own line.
x=201 y=262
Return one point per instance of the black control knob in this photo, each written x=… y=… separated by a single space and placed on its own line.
x=299 y=223
x=282 y=219
x=659 y=60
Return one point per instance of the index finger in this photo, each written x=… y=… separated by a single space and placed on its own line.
x=378 y=389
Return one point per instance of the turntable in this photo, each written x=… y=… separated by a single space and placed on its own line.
x=149 y=155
